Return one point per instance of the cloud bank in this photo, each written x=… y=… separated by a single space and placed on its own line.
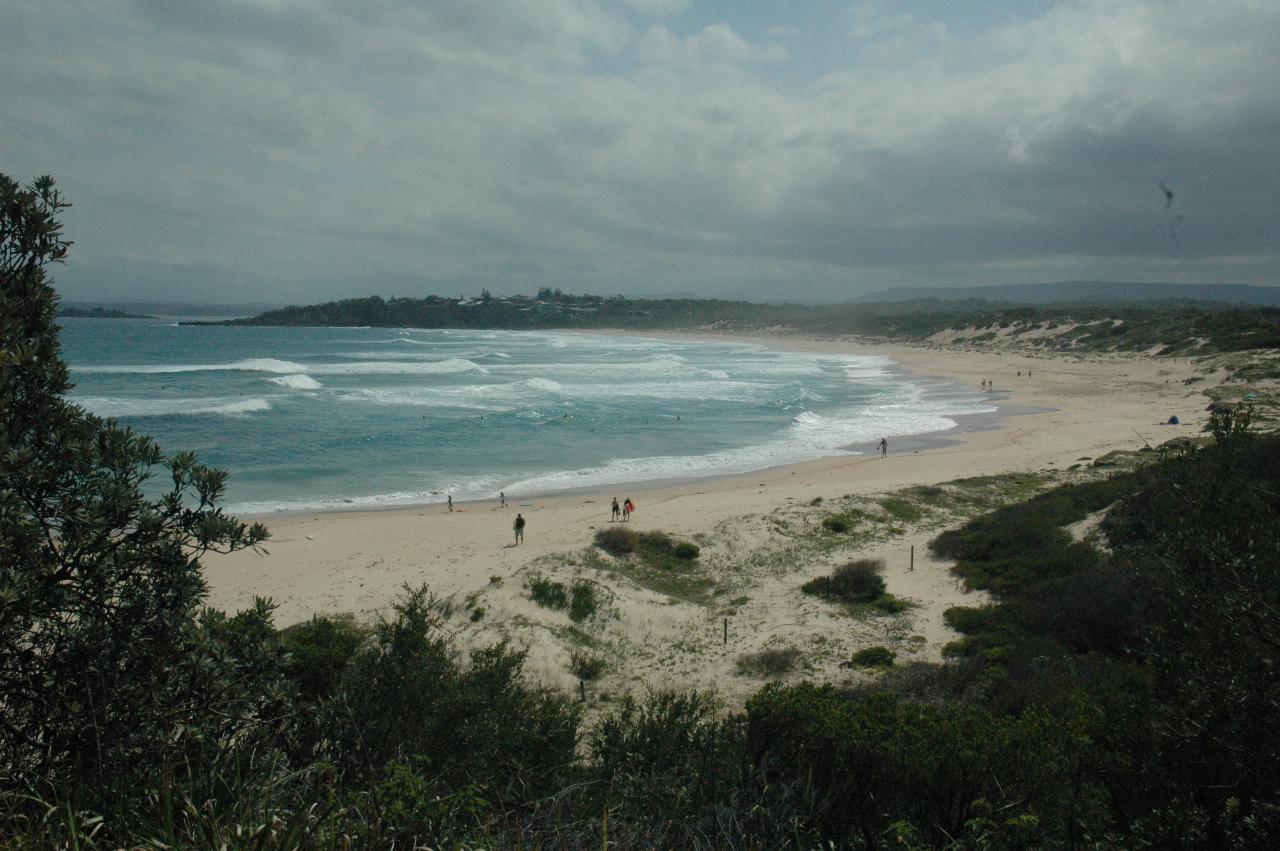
x=296 y=151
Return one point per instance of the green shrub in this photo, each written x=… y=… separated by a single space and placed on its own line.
x=547 y=593
x=890 y=604
x=968 y=619
x=856 y=582
x=319 y=651
x=587 y=666
x=407 y=695
x=836 y=523
x=666 y=753
x=408 y=809
x=771 y=662
x=874 y=657
x=582 y=601
x=686 y=551
x=901 y=509
x=654 y=547
x=655 y=542
x=477 y=613
x=617 y=540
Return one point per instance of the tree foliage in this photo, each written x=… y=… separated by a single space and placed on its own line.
x=104 y=664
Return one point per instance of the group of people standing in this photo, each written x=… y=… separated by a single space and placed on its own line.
x=623 y=511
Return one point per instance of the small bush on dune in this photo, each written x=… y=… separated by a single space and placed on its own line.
x=617 y=540
x=836 y=523
x=772 y=662
x=319 y=651
x=656 y=547
x=968 y=619
x=901 y=509
x=587 y=666
x=548 y=594
x=655 y=540
x=582 y=601
x=874 y=657
x=856 y=582
x=890 y=604
x=687 y=551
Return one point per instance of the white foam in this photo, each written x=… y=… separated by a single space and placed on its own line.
x=810 y=436
x=485 y=487
x=113 y=407
x=297 y=381
x=545 y=384
x=440 y=367
x=250 y=365
x=280 y=366
x=470 y=398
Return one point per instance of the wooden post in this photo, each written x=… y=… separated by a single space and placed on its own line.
x=582 y=690
x=726 y=630
x=913 y=558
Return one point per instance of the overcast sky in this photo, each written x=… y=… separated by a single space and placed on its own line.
x=302 y=150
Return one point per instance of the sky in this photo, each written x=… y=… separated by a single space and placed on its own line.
x=294 y=151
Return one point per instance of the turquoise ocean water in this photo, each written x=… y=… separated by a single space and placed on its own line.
x=343 y=418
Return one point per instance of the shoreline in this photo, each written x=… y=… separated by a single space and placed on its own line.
x=357 y=560
x=913 y=442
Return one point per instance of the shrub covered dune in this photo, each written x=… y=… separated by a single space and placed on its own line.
x=1117 y=698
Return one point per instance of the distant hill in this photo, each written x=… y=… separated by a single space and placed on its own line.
x=98 y=313
x=168 y=308
x=1177 y=327
x=1088 y=292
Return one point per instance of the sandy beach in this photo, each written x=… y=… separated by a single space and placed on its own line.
x=358 y=561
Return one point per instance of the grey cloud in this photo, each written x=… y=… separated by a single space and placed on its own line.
x=320 y=149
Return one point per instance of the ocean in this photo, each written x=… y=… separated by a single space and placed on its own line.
x=309 y=419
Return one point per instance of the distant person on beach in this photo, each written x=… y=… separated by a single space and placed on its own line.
x=627 y=507
x=883 y=446
x=519 y=527
x=450 y=499
x=616 y=511
x=502 y=499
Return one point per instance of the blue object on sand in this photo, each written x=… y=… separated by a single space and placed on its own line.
x=1173 y=420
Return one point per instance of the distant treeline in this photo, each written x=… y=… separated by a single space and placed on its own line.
x=97 y=313
x=1171 y=327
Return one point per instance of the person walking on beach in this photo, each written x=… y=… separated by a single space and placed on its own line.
x=884 y=446
x=519 y=527
x=502 y=499
x=627 y=507
x=450 y=498
x=615 y=510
